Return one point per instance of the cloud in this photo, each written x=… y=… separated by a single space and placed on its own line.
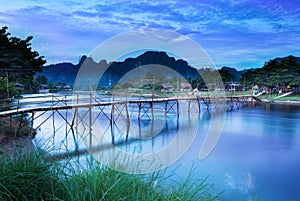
x=65 y=29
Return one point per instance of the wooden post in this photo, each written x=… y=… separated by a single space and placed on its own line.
x=90 y=121
x=139 y=112
x=238 y=103
x=127 y=132
x=127 y=114
x=140 y=128
x=21 y=121
x=152 y=129
x=206 y=103
x=231 y=103
x=112 y=113
x=177 y=105
x=31 y=126
x=177 y=124
x=166 y=107
x=152 y=110
x=20 y=125
x=76 y=113
x=112 y=133
x=53 y=122
x=53 y=116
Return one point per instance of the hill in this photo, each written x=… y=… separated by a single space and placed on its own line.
x=278 y=72
x=279 y=59
x=62 y=72
x=66 y=72
x=235 y=74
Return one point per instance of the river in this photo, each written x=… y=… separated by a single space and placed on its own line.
x=257 y=156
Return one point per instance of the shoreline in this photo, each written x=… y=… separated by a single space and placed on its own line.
x=282 y=102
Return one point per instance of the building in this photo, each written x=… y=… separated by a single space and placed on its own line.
x=185 y=87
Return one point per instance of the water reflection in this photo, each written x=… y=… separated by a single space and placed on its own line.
x=257 y=155
x=245 y=182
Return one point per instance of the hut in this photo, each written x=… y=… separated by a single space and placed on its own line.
x=19 y=86
x=185 y=86
x=166 y=87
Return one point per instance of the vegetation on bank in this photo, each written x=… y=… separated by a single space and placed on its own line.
x=18 y=64
x=27 y=176
x=276 y=97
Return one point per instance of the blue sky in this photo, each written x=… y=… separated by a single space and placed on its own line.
x=235 y=33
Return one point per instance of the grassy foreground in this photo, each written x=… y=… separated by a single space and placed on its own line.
x=27 y=176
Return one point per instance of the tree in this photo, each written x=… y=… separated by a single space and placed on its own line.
x=18 y=62
x=41 y=79
x=7 y=89
x=275 y=72
x=226 y=75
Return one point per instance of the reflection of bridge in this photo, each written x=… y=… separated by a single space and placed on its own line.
x=85 y=110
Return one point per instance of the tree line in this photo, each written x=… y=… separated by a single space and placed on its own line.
x=277 y=73
x=283 y=72
x=18 y=63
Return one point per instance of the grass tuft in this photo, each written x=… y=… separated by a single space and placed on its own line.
x=27 y=176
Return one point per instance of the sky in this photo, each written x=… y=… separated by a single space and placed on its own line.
x=236 y=33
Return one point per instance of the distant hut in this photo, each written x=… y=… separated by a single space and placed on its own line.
x=166 y=87
x=67 y=88
x=19 y=86
x=232 y=86
x=185 y=86
x=43 y=88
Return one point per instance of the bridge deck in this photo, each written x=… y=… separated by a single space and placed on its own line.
x=106 y=103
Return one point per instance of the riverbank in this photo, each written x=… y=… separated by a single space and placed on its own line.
x=12 y=139
x=288 y=100
x=284 y=102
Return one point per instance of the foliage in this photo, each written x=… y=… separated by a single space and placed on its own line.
x=28 y=177
x=18 y=59
x=41 y=79
x=208 y=78
x=122 y=186
x=276 y=72
x=226 y=75
x=7 y=91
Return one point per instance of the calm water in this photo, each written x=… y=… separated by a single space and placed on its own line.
x=257 y=155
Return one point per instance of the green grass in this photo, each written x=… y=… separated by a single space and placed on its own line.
x=27 y=176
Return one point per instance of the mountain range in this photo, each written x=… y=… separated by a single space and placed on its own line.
x=66 y=72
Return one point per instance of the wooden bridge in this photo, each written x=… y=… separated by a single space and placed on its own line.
x=85 y=109
x=233 y=100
